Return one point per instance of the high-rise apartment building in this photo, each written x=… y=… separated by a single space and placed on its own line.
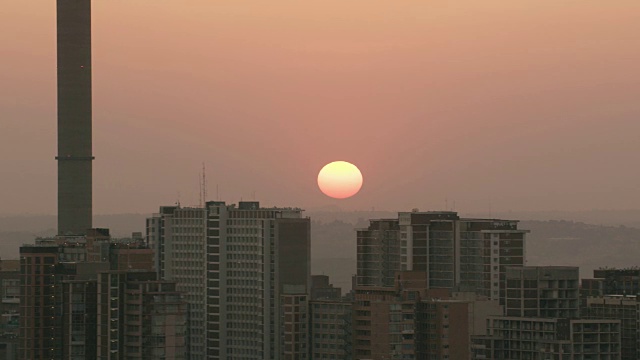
x=39 y=331
x=410 y=321
x=234 y=264
x=9 y=308
x=322 y=289
x=78 y=321
x=548 y=338
x=445 y=325
x=378 y=252
x=443 y=330
x=139 y=317
x=331 y=329
x=542 y=291
x=623 y=308
x=295 y=324
x=45 y=267
x=542 y=320
x=384 y=320
x=74 y=308
x=466 y=254
x=612 y=281
x=454 y=252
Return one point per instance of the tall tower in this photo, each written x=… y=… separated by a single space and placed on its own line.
x=74 y=116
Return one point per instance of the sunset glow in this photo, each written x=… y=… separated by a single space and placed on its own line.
x=340 y=179
x=439 y=92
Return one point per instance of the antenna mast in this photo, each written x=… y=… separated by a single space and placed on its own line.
x=204 y=184
x=200 y=190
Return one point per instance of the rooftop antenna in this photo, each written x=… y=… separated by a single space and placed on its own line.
x=204 y=183
x=203 y=186
x=217 y=193
x=200 y=189
x=202 y=178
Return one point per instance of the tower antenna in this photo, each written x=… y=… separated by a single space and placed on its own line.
x=200 y=190
x=204 y=184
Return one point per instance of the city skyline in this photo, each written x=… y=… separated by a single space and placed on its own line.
x=421 y=98
x=468 y=106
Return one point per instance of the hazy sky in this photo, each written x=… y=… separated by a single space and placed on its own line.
x=522 y=105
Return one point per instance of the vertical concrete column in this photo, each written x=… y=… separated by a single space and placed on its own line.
x=74 y=116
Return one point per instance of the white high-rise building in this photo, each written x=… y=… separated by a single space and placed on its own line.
x=235 y=264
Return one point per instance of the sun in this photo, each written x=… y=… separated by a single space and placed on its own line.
x=340 y=179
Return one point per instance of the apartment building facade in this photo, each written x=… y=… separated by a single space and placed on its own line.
x=233 y=263
x=455 y=253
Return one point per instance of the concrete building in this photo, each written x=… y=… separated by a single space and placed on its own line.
x=618 y=307
x=456 y=253
x=378 y=252
x=321 y=288
x=612 y=281
x=233 y=263
x=39 y=332
x=9 y=308
x=78 y=320
x=542 y=291
x=74 y=117
x=548 y=338
x=442 y=329
x=295 y=324
x=543 y=320
x=410 y=321
x=159 y=227
x=180 y=248
x=331 y=329
x=459 y=253
x=72 y=308
x=408 y=269
x=384 y=318
x=445 y=325
x=139 y=317
x=44 y=268
x=131 y=256
x=155 y=320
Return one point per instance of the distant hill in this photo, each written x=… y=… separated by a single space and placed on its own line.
x=333 y=248
x=584 y=245
x=10 y=241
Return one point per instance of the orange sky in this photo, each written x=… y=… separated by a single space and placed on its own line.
x=522 y=105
